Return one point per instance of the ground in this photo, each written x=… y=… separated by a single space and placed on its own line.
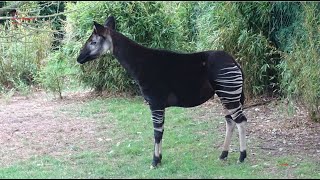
x=33 y=126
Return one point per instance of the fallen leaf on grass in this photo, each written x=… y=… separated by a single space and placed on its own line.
x=284 y=164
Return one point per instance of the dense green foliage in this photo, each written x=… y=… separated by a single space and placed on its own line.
x=301 y=60
x=276 y=43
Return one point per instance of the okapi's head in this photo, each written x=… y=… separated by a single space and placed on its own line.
x=99 y=43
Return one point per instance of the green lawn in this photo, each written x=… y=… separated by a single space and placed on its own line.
x=189 y=149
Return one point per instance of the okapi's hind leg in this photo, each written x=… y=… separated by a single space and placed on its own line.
x=229 y=84
x=240 y=122
x=230 y=124
x=242 y=136
x=237 y=118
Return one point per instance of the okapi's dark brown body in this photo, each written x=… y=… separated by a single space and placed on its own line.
x=176 y=79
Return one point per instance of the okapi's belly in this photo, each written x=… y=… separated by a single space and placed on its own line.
x=190 y=97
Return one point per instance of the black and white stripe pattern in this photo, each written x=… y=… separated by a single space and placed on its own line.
x=229 y=88
x=157 y=116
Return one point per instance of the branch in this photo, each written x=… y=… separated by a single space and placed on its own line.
x=4 y=10
x=39 y=17
x=259 y=103
x=39 y=30
x=33 y=29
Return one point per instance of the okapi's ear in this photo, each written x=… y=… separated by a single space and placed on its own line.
x=98 y=28
x=110 y=22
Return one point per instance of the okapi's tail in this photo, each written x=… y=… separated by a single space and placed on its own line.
x=242 y=98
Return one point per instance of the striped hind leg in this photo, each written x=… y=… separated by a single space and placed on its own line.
x=235 y=117
x=229 y=83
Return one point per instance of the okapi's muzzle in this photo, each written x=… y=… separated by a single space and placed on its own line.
x=85 y=57
x=81 y=60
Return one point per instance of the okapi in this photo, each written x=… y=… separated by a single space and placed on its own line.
x=168 y=78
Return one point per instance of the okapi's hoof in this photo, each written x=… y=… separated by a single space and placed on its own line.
x=154 y=166
x=243 y=155
x=224 y=155
x=156 y=162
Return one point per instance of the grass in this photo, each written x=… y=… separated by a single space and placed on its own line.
x=189 y=149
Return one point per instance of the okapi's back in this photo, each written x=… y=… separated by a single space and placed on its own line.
x=218 y=60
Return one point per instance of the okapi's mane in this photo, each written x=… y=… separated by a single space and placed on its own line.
x=121 y=40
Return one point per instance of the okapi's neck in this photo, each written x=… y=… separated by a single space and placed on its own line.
x=127 y=52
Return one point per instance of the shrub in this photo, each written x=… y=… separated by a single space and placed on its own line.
x=55 y=74
x=22 y=52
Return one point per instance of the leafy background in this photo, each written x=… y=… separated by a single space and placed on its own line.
x=276 y=43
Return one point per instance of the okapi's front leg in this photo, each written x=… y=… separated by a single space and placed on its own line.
x=158 y=122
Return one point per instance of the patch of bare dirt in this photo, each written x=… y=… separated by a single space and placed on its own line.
x=280 y=133
x=34 y=126
x=271 y=130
